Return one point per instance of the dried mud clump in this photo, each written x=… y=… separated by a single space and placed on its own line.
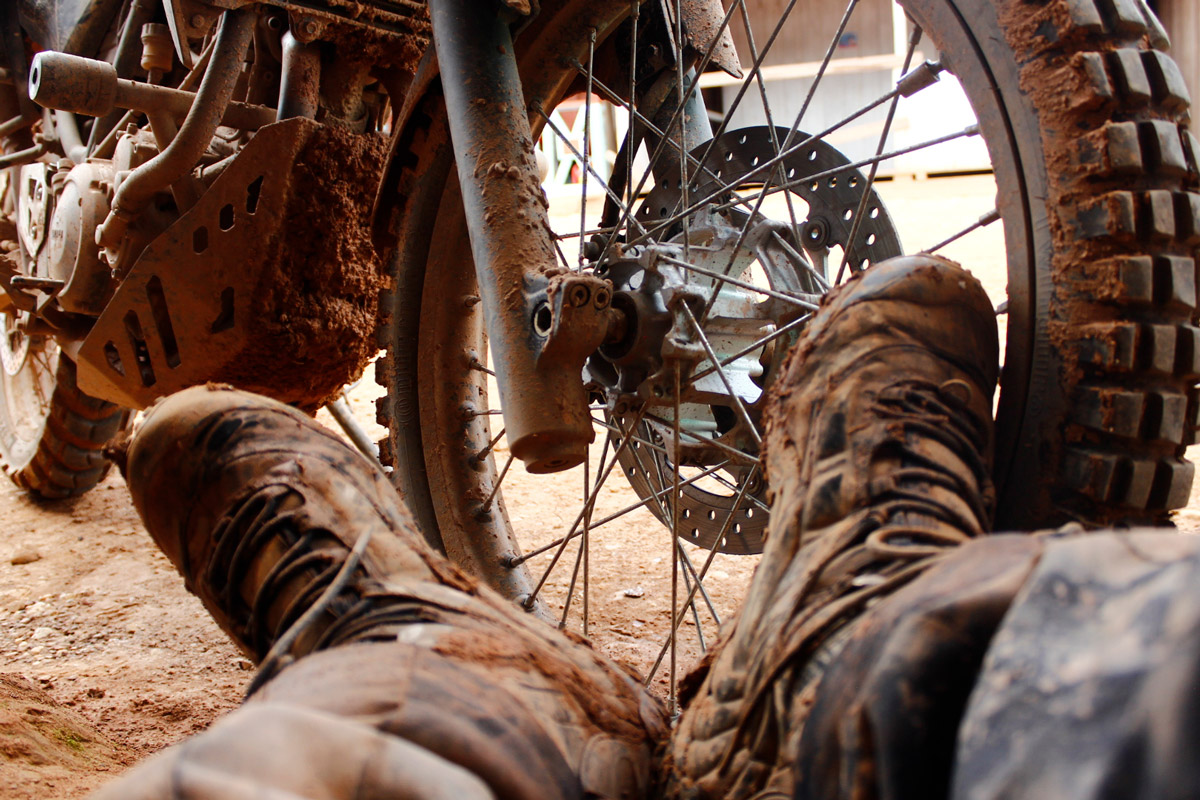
x=317 y=303
x=42 y=742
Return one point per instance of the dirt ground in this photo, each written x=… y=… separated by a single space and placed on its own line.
x=105 y=657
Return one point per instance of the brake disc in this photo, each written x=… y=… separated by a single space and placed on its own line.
x=738 y=163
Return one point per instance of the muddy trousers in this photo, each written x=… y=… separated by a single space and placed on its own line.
x=887 y=648
x=1019 y=666
x=387 y=720
x=1022 y=667
x=384 y=670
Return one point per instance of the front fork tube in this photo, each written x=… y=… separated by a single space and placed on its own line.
x=690 y=129
x=545 y=407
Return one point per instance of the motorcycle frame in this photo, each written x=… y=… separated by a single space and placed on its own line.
x=541 y=323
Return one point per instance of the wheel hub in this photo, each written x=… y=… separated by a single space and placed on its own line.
x=740 y=277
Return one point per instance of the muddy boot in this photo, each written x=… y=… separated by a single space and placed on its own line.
x=259 y=509
x=879 y=442
x=304 y=554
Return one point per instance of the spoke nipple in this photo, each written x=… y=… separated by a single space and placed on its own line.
x=508 y=560
x=527 y=601
x=471 y=300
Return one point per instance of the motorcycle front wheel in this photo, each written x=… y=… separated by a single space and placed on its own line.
x=1082 y=117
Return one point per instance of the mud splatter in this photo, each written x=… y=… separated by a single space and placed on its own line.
x=316 y=306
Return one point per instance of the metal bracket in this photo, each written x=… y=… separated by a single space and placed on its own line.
x=581 y=319
x=182 y=314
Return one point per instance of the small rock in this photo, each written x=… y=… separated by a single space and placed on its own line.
x=42 y=633
x=244 y=664
x=95 y=693
x=635 y=591
x=25 y=557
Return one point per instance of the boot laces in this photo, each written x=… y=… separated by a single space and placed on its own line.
x=322 y=579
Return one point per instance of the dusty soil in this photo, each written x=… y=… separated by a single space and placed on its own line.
x=105 y=658
x=98 y=621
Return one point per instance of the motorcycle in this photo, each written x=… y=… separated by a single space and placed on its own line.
x=268 y=194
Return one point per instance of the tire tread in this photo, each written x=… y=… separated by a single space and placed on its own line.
x=69 y=459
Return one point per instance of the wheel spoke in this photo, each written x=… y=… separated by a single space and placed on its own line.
x=766 y=166
x=676 y=118
x=587 y=143
x=636 y=439
x=687 y=587
x=657 y=496
x=694 y=162
x=770 y=117
x=633 y=140
x=763 y=342
x=799 y=261
x=478 y=366
x=982 y=222
x=809 y=302
x=562 y=621
x=856 y=223
x=587 y=169
x=682 y=138
x=755 y=68
x=965 y=133
x=689 y=568
x=581 y=556
x=733 y=487
x=483 y=453
x=811 y=89
x=708 y=560
x=672 y=697
x=487 y=504
x=736 y=455
x=606 y=469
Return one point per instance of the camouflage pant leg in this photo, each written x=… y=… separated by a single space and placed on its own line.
x=1018 y=667
x=1091 y=686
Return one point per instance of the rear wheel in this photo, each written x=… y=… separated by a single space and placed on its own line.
x=1095 y=212
x=52 y=435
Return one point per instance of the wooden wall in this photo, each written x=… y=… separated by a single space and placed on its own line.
x=870 y=57
x=1182 y=21
x=806 y=36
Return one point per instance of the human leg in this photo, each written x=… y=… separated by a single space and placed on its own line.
x=878 y=453
x=303 y=553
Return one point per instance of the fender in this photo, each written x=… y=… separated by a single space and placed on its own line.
x=702 y=24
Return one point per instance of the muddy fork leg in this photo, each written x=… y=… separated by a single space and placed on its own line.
x=537 y=359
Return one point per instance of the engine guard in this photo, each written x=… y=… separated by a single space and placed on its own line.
x=268 y=283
